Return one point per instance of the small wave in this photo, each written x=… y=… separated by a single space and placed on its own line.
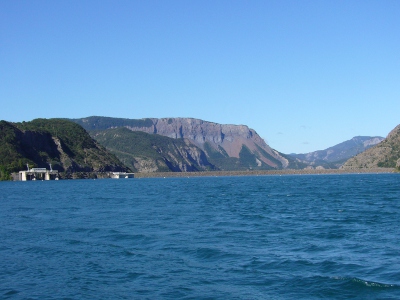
x=133 y=275
x=10 y=293
x=373 y=284
x=211 y=254
x=367 y=283
x=128 y=237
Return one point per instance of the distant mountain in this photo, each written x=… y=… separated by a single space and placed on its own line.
x=64 y=144
x=384 y=155
x=227 y=147
x=335 y=156
x=145 y=152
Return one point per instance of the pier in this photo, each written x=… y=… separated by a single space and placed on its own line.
x=38 y=174
x=117 y=175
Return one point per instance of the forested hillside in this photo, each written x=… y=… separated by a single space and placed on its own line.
x=384 y=155
x=64 y=144
x=152 y=152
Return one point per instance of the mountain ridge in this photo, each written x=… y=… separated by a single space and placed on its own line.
x=337 y=155
x=213 y=138
x=383 y=155
x=98 y=144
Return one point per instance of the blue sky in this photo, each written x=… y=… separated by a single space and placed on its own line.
x=305 y=75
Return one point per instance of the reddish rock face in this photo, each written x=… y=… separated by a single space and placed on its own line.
x=230 y=137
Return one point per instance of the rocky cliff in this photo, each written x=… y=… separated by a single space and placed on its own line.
x=230 y=138
x=384 y=155
x=146 y=153
x=235 y=146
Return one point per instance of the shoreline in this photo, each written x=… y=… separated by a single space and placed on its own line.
x=263 y=172
x=108 y=175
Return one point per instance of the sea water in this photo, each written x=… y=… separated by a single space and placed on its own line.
x=260 y=237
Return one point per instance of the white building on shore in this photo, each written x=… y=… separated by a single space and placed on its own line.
x=117 y=175
x=38 y=174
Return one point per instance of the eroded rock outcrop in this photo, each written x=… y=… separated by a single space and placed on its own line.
x=230 y=138
x=238 y=142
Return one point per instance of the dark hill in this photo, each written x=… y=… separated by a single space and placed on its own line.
x=64 y=144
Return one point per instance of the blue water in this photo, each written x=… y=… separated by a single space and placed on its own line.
x=265 y=237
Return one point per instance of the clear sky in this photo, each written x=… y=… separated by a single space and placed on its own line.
x=306 y=75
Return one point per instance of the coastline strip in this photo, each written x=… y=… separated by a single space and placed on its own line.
x=264 y=172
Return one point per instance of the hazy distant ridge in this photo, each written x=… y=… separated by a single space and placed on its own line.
x=385 y=154
x=335 y=156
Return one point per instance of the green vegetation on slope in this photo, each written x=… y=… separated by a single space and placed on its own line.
x=198 y=132
x=270 y=157
x=13 y=157
x=386 y=154
x=103 y=123
x=392 y=143
x=64 y=144
x=220 y=158
x=152 y=152
x=4 y=173
x=247 y=160
x=74 y=137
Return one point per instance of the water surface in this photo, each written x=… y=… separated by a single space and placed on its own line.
x=261 y=237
